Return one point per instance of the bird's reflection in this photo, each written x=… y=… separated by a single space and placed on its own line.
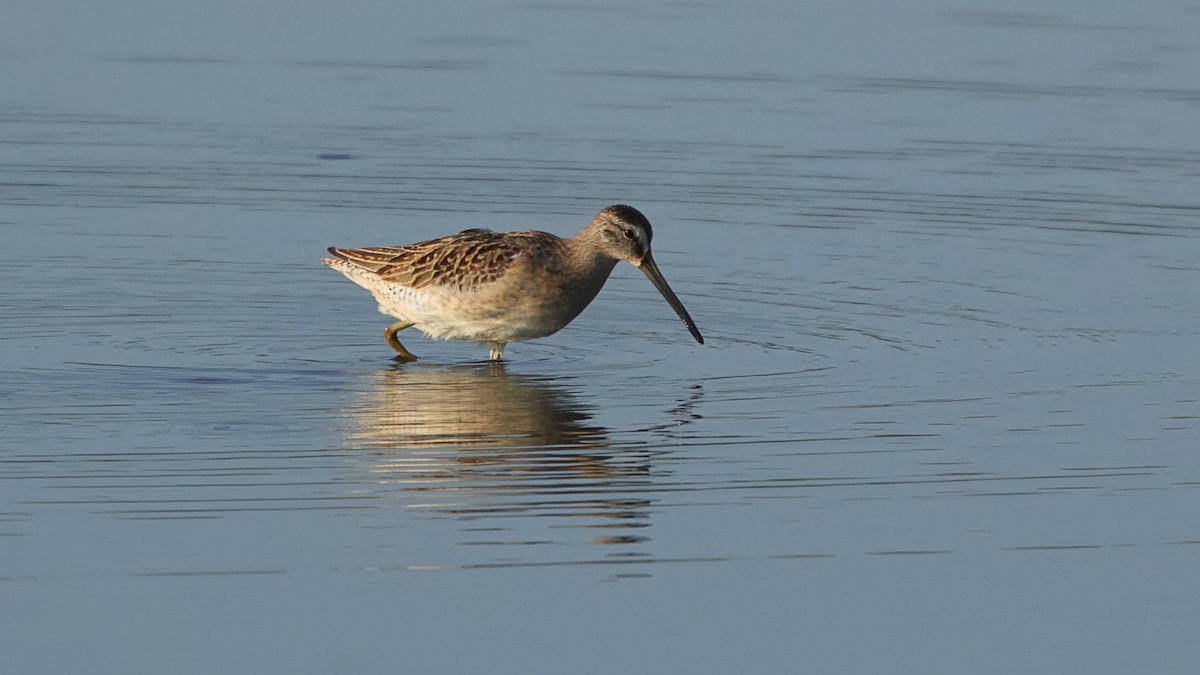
x=475 y=441
x=471 y=406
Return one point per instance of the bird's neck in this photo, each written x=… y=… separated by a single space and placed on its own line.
x=585 y=263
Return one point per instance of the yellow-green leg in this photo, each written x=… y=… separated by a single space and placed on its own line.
x=497 y=350
x=389 y=333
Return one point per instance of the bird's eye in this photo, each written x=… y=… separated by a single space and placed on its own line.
x=628 y=233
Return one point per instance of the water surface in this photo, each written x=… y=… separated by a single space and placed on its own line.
x=944 y=259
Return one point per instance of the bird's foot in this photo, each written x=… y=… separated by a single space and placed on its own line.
x=389 y=333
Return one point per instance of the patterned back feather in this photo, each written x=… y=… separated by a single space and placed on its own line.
x=465 y=260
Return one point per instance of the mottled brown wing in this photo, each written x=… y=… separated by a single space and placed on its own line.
x=465 y=260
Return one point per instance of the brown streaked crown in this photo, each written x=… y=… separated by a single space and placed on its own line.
x=622 y=214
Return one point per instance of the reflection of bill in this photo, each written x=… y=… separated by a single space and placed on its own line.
x=475 y=441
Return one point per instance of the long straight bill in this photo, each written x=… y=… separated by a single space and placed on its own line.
x=651 y=270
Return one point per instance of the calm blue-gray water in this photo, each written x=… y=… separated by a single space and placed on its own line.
x=946 y=258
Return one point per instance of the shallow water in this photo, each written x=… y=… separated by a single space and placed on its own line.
x=945 y=419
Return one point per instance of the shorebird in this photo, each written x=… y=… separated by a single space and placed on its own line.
x=499 y=287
